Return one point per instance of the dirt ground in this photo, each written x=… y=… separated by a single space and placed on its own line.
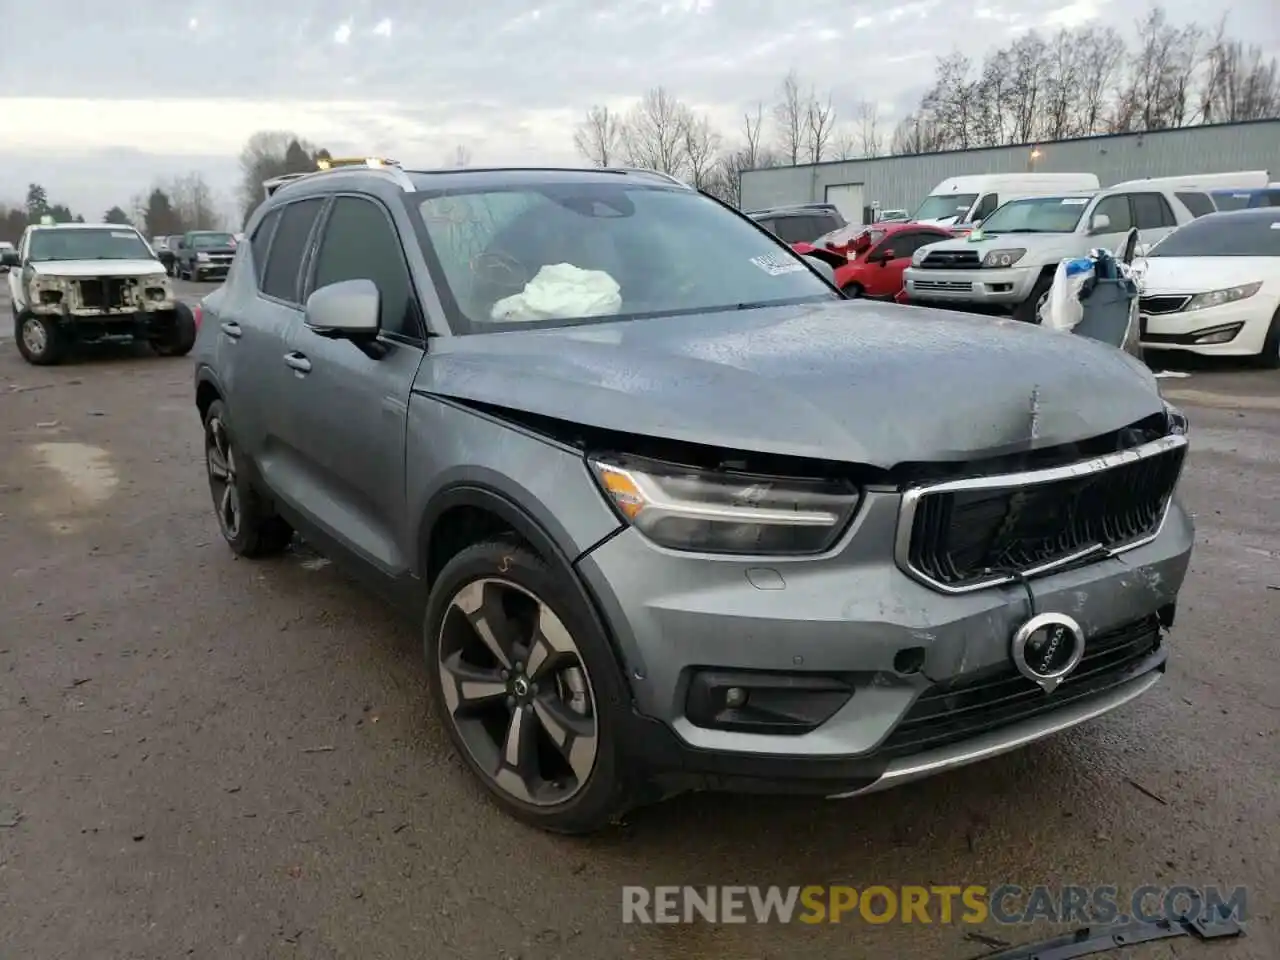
x=215 y=758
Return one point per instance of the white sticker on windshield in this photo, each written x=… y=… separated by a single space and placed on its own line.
x=775 y=265
x=1075 y=201
x=122 y=234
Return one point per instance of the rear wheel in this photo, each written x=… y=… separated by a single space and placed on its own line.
x=39 y=340
x=179 y=337
x=853 y=291
x=249 y=526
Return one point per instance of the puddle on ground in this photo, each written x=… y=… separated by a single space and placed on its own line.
x=88 y=481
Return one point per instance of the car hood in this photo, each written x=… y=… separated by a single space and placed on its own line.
x=1165 y=275
x=97 y=268
x=1037 y=245
x=877 y=384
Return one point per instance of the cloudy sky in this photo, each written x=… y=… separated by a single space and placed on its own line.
x=108 y=96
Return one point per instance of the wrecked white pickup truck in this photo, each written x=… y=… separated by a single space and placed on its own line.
x=76 y=282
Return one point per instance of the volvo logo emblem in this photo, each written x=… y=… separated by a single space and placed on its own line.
x=1047 y=648
x=520 y=687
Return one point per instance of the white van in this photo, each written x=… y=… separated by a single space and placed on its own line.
x=1241 y=180
x=965 y=200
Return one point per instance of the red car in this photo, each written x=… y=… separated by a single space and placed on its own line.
x=869 y=261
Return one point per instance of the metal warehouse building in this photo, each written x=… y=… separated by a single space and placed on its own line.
x=904 y=182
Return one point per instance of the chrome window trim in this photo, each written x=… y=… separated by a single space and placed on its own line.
x=912 y=496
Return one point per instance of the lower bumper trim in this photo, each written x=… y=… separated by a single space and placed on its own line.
x=1009 y=738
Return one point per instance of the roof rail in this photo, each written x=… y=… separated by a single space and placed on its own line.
x=390 y=168
x=653 y=173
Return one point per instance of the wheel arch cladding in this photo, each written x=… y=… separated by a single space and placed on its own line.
x=206 y=392
x=469 y=513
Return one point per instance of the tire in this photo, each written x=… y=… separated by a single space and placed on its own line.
x=1269 y=358
x=519 y=589
x=254 y=530
x=853 y=291
x=1026 y=310
x=39 y=339
x=178 y=340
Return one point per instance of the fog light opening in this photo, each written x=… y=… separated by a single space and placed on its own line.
x=908 y=661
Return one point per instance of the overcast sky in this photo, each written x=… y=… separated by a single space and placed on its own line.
x=98 y=99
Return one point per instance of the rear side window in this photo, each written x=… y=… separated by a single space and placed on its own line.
x=799 y=229
x=1198 y=203
x=288 y=245
x=1151 y=210
x=260 y=242
x=360 y=244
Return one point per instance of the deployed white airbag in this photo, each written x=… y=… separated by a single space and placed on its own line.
x=562 y=291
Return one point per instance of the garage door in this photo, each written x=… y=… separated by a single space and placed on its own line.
x=847 y=198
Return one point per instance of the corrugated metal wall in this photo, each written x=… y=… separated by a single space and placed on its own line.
x=905 y=181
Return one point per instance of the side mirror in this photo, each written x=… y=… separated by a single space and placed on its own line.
x=817 y=262
x=884 y=256
x=348 y=310
x=10 y=258
x=1100 y=223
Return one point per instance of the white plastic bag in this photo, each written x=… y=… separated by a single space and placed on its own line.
x=562 y=291
x=1061 y=309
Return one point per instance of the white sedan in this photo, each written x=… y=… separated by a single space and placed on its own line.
x=1213 y=287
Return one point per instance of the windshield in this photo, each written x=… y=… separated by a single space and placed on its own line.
x=91 y=244
x=206 y=241
x=1037 y=215
x=552 y=254
x=946 y=205
x=1219 y=235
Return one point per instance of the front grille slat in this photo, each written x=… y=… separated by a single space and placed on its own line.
x=961 y=539
x=1157 y=304
x=104 y=293
x=951 y=259
x=968 y=707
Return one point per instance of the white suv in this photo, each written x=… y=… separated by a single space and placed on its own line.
x=1010 y=261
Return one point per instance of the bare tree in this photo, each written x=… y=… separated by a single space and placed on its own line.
x=701 y=148
x=272 y=153
x=867 y=118
x=459 y=156
x=1100 y=51
x=819 y=124
x=192 y=202
x=599 y=135
x=752 y=131
x=1240 y=84
x=789 y=113
x=655 y=133
x=844 y=145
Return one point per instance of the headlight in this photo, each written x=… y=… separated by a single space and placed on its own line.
x=685 y=508
x=1216 y=298
x=1178 y=423
x=1003 y=258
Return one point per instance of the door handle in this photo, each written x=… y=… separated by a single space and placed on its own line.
x=297 y=362
x=232 y=329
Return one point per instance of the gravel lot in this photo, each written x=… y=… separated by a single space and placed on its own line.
x=208 y=757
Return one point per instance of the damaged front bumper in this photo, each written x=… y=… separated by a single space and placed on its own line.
x=852 y=676
x=101 y=302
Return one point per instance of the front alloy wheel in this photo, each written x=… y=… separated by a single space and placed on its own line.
x=517 y=692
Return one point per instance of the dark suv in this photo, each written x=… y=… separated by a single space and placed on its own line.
x=801 y=223
x=670 y=511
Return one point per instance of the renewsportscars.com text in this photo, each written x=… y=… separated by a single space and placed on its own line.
x=971 y=904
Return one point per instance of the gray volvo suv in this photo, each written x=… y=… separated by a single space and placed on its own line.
x=671 y=512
